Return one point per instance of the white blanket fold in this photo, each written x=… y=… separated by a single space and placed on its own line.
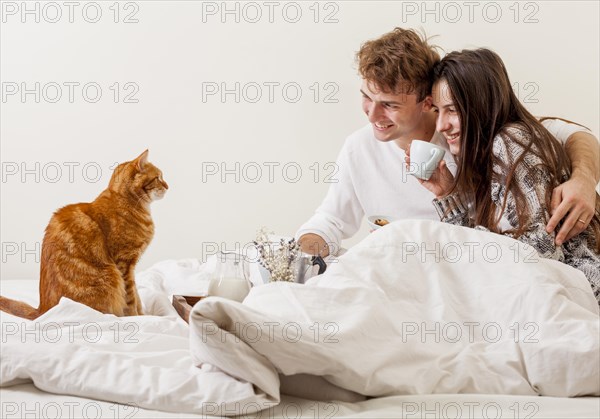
x=416 y=308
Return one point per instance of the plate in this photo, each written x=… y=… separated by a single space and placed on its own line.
x=373 y=218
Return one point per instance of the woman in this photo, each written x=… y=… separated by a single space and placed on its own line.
x=508 y=163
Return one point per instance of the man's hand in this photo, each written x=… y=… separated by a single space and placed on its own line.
x=313 y=244
x=577 y=198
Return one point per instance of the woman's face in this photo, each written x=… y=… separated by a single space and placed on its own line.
x=448 y=122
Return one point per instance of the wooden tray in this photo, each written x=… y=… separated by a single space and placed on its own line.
x=184 y=303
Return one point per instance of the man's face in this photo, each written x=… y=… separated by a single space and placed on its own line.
x=393 y=116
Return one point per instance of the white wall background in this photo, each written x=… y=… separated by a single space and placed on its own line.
x=51 y=152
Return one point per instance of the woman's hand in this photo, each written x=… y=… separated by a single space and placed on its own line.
x=441 y=181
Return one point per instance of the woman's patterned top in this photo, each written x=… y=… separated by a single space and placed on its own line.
x=534 y=180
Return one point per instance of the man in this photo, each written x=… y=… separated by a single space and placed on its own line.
x=372 y=179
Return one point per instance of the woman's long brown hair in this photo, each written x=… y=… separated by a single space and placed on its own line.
x=486 y=105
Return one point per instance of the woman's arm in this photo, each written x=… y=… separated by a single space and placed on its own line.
x=533 y=179
x=452 y=211
x=448 y=206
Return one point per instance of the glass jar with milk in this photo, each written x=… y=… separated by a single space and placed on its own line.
x=230 y=278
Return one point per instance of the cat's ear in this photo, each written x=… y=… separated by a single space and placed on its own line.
x=141 y=160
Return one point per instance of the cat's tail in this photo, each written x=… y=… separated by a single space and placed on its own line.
x=18 y=308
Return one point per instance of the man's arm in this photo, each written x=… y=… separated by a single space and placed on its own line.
x=340 y=214
x=576 y=198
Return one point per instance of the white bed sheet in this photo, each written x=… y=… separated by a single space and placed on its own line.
x=27 y=401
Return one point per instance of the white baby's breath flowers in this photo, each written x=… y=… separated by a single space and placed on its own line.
x=277 y=257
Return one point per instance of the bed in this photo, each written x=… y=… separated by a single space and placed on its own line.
x=402 y=278
x=19 y=400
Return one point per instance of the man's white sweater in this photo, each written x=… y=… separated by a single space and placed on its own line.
x=372 y=180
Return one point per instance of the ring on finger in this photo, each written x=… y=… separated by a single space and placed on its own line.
x=581 y=221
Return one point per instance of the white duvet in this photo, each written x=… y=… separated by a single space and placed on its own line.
x=418 y=307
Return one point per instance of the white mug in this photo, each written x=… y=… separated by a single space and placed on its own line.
x=424 y=158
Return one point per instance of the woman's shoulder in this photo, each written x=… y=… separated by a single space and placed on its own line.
x=513 y=138
x=514 y=142
x=515 y=132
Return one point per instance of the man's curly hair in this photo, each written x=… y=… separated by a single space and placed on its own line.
x=400 y=61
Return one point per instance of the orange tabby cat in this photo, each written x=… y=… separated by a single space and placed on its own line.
x=90 y=250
